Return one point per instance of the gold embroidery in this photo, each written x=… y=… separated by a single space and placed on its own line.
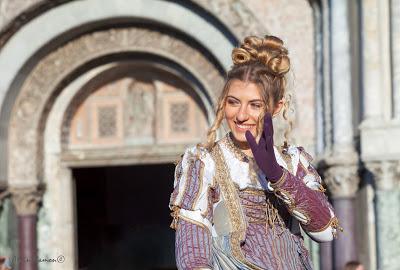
x=195 y=222
x=301 y=212
x=280 y=180
x=232 y=202
x=334 y=224
x=249 y=190
x=235 y=149
x=175 y=217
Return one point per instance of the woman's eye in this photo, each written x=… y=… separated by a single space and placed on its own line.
x=256 y=105
x=232 y=102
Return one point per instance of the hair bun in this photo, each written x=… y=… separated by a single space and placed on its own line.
x=268 y=51
x=240 y=56
x=279 y=65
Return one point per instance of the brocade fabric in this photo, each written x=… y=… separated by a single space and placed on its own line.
x=272 y=213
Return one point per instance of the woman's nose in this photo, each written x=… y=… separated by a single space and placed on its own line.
x=242 y=114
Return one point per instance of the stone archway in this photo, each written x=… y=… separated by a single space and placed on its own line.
x=43 y=85
x=65 y=22
x=36 y=122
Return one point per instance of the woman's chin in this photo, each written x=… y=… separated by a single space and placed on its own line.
x=240 y=137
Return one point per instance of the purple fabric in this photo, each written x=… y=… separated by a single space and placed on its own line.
x=314 y=204
x=263 y=152
x=268 y=246
x=282 y=250
x=271 y=246
x=192 y=184
x=192 y=246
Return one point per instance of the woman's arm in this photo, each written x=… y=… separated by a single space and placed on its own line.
x=306 y=203
x=192 y=246
x=305 y=199
x=191 y=205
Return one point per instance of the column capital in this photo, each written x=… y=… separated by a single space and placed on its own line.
x=342 y=180
x=3 y=194
x=386 y=173
x=26 y=199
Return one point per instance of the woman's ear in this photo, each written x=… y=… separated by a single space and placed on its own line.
x=278 y=107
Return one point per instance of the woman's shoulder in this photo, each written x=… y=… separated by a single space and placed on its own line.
x=290 y=156
x=294 y=151
x=196 y=153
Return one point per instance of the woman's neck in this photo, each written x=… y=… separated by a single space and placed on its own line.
x=243 y=146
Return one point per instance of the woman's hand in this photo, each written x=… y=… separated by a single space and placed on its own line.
x=263 y=152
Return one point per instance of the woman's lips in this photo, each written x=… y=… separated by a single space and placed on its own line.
x=244 y=127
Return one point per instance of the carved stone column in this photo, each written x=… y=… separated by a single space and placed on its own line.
x=342 y=180
x=387 y=198
x=341 y=173
x=26 y=201
x=395 y=40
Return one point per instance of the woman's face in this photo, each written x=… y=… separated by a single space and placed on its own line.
x=244 y=105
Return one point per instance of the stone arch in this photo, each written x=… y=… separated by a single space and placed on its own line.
x=58 y=68
x=229 y=14
x=57 y=25
x=56 y=216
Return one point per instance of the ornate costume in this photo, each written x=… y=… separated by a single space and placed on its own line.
x=228 y=216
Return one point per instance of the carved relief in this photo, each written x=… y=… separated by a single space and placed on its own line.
x=181 y=118
x=179 y=112
x=107 y=121
x=140 y=109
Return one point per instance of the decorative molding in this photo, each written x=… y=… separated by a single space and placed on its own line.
x=232 y=13
x=44 y=83
x=386 y=174
x=235 y=15
x=26 y=199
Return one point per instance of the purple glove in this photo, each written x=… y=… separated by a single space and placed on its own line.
x=263 y=152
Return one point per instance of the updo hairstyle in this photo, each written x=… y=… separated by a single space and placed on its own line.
x=265 y=62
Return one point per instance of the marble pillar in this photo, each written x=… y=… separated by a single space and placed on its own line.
x=387 y=199
x=326 y=256
x=371 y=68
x=395 y=50
x=26 y=201
x=341 y=76
x=341 y=172
x=342 y=180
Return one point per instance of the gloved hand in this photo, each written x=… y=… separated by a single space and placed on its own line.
x=263 y=152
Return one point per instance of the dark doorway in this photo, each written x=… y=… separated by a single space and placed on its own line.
x=123 y=217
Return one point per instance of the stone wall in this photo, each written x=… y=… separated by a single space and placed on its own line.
x=292 y=21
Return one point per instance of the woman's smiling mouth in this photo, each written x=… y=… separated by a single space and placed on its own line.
x=244 y=127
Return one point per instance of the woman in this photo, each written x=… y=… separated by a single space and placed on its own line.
x=238 y=203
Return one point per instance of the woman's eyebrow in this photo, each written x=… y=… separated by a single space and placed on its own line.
x=257 y=100
x=233 y=97
x=253 y=100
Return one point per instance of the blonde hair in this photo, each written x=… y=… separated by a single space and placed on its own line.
x=265 y=62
